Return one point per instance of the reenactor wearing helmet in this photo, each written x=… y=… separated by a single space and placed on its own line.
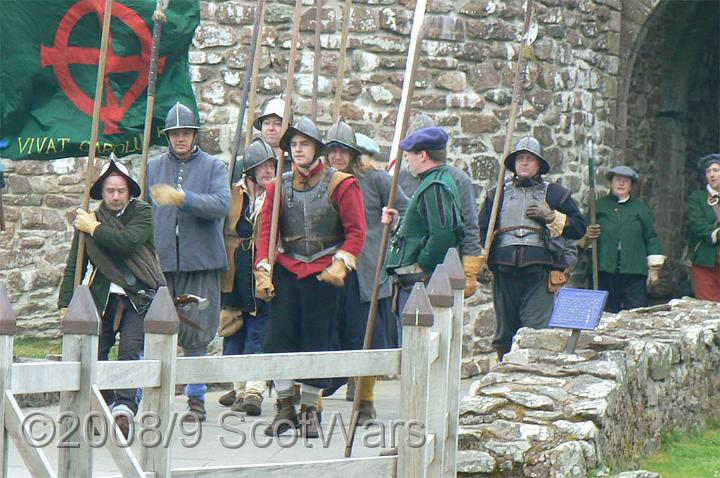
x=269 y=123
x=531 y=212
x=321 y=234
x=471 y=247
x=190 y=196
x=122 y=271
x=345 y=155
x=433 y=222
x=242 y=318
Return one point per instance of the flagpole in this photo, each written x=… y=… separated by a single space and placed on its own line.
x=94 y=129
x=158 y=19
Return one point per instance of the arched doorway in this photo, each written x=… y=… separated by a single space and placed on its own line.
x=669 y=105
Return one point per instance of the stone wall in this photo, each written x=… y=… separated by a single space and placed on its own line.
x=544 y=413
x=463 y=81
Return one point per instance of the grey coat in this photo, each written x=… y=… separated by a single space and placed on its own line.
x=472 y=243
x=199 y=242
x=375 y=187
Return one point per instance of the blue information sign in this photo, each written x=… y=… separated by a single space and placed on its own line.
x=578 y=308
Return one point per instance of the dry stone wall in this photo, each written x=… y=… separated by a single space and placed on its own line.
x=544 y=413
x=463 y=82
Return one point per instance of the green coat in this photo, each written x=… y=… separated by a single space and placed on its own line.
x=138 y=230
x=701 y=223
x=630 y=228
x=432 y=224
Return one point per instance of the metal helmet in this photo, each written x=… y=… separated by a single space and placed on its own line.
x=419 y=121
x=342 y=134
x=257 y=153
x=273 y=107
x=180 y=117
x=306 y=127
x=626 y=171
x=527 y=144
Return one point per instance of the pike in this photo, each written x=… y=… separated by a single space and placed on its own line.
x=285 y=123
x=90 y=174
x=2 y=185
x=593 y=213
x=316 y=58
x=252 y=101
x=246 y=90
x=341 y=61
x=524 y=54
x=408 y=91
x=158 y=19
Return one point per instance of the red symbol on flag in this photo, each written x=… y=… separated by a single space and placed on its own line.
x=61 y=55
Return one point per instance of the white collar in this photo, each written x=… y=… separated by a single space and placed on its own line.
x=712 y=191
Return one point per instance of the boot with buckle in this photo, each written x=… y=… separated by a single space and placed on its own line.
x=285 y=417
x=309 y=422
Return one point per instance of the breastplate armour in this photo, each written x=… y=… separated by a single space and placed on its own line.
x=514 y=227
x=310 y=227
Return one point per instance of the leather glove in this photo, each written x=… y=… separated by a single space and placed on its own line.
x=264 y=288
x=334 y=274
x=653 y=276
x=86 y=221
x=166 y=195
x=540 y=212
x=593 y=231
x=231 y=320
x=485 y=275
x=472 y=266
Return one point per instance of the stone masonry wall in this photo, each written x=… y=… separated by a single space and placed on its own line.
x=544 y=413
x=463 y=81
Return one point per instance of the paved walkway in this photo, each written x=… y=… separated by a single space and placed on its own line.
x=217 y=443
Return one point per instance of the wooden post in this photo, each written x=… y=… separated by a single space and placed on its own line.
x=316 y=59
x=441 y=297
x=455 y=273
x=7 y=335
x=417 y=319
x=161 y=330
x=80 y=329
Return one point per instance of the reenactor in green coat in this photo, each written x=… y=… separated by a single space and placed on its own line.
x=433 y=221
x=704 y=225
x=630 y=254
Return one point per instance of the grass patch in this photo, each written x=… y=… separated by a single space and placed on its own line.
x=696 y=456
x=38 y=348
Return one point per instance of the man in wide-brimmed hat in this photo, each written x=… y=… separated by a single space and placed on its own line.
x=122 y=270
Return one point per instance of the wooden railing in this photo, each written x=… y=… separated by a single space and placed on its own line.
x=428 y=361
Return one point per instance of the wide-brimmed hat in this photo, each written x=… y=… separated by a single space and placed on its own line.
x=626 y=171
x=113 y=167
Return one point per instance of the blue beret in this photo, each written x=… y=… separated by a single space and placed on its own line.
x=425 y=139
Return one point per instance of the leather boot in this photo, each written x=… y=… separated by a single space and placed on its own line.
x=252 y=404
x=309 y=423
x=285 y=417
x=227 y=399
x=366 y=412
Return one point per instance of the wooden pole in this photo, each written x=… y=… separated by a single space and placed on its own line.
x=341 y=61
x=316 y=58
x=515 y=105
x=252 y=101
x=406 y=97
x=593 y=214
x=158 y=19
x=285 y=122
x=94 y=129
x=246 y=91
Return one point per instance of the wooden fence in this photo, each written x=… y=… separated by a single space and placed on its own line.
x=429 y=360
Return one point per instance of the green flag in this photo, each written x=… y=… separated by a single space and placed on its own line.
x=49 y=53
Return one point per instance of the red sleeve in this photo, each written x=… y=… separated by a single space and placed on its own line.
x=263 y=242
x=348 y=200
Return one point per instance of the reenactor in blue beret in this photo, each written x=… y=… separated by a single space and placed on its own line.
x=531 y=212
x=433 y=221
x=471 y=247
